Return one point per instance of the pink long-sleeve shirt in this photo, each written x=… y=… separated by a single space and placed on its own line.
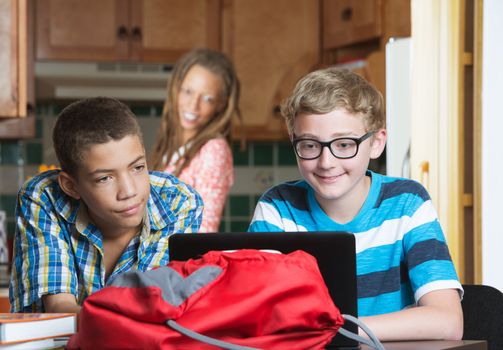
x=211 y=173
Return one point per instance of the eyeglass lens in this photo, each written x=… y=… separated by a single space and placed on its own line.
x=341 y=148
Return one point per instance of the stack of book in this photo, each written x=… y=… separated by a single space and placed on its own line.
x=35 y=331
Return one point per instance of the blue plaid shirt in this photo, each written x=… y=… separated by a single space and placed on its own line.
x=58 y=250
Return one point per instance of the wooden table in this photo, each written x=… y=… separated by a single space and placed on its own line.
x=434 y=345
x=4 y=300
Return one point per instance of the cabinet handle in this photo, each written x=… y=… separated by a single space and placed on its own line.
x=122 y=32
x=346 y=14
x=137 y=33
x=276 y=111
x=424 y=176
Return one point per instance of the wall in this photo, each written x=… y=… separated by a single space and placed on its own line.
x=257 y=167
x=492 y=127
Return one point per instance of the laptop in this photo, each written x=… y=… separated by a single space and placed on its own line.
x=334 y=251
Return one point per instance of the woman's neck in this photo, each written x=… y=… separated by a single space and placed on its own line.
x=187 y=136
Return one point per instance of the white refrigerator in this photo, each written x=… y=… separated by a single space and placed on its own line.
x=398 y=111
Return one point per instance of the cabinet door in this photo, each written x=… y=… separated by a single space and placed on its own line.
x=13 y=59
x=163 y=30
x=272 y=44
x=347 y=22
x=95 y=30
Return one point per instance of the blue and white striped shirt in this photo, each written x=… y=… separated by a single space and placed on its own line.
x=58 y=250
x=401 y=252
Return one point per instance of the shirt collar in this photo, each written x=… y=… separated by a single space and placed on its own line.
x=67 y=207
x=158 y=212
x=145 y=228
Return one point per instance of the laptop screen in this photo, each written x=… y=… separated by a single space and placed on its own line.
x=334 y=251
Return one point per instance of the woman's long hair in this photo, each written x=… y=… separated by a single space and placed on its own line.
x=170 y=136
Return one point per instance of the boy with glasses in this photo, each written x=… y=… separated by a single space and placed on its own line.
x=407 y=285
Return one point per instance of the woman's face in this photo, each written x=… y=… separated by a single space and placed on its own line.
x=199 y=99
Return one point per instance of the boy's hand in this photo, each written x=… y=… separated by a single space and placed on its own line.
x=438 y=316
x=62 y=302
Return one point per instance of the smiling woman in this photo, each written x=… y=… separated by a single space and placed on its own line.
x=194 y=139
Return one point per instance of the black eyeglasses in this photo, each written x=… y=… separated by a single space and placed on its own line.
x=342 y=147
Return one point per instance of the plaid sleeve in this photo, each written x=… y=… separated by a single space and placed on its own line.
x=175 y=208
x=187 y=206
x=42 y=263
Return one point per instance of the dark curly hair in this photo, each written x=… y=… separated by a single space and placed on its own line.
x=88 y=122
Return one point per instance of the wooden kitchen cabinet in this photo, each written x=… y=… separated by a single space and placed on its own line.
x=272 y=44
x=347 y=22
x=13 y=58
x=16 y=73
x=15 y=123
x=125 y=30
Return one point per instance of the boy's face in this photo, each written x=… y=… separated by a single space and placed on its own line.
x=337 y=181
x=113 y=182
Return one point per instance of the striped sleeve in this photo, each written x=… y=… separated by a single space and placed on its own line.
x=427 y=254
x=401 y=250
x=281 y=209
x=266 y=219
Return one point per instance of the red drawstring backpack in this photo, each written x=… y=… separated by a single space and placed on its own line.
x=246 y=299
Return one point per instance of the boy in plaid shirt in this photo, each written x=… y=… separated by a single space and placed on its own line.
x=102 y=214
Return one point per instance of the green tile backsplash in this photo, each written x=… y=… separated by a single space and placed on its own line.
x=34 y=153
x=158 y=111
x=222 y=227
x=263 y=154
x=57 y=108
x=286 y=155
x=11 y=228
x=39 y=125
x=239 y=226
x=143 y=111
x=239 y=205
x=8 y=204
x=41 y=109
x=10 y=152
x=240 y=156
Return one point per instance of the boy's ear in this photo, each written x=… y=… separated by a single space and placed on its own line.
x=378 y=143
x=68 y=185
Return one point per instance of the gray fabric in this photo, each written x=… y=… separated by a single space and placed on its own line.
x=373 y=342
x=204 y=339
x=175 y=288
